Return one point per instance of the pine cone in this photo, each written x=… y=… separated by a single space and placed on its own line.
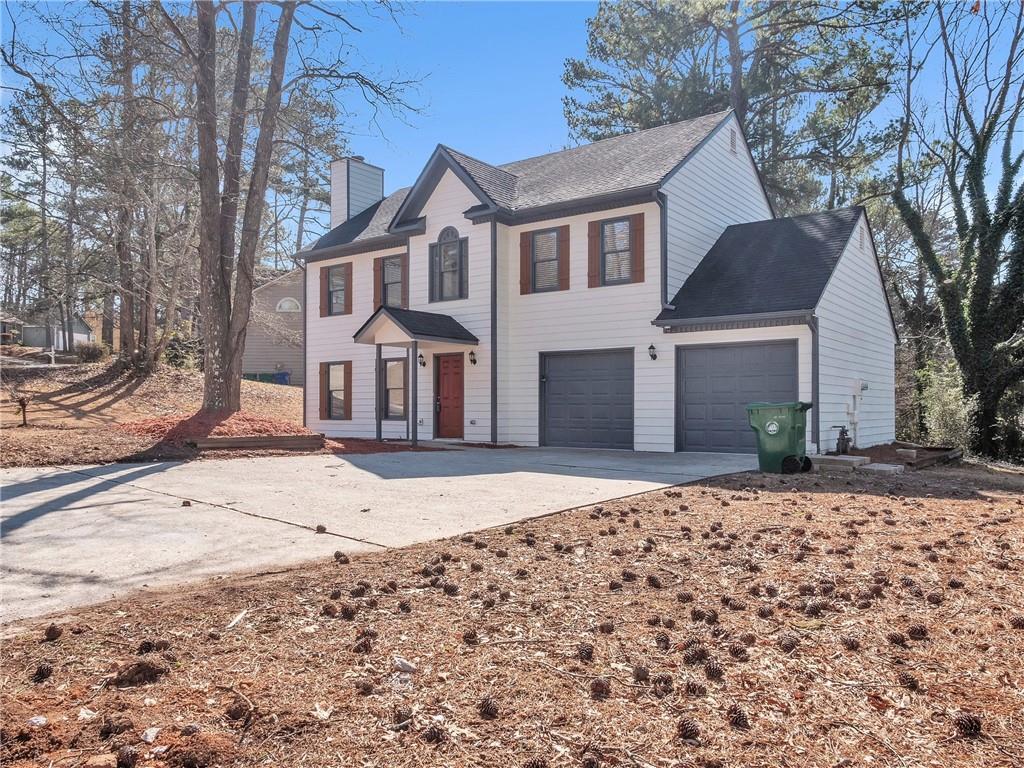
x=896 y=638
x=52 y=633
x=739 y=652
x=917 y=631
x=606 y=627
x=663 y=684
x=695 y=654
x=402 y=718
x=434 y=734
x=967 y=724
x=536 y=762
x=685 y=597
x=585 y=652
x=737 y=717
x=43 y=672
x=600 y=688
x=693 y=688
x=713 y=670
x=1017 y=622
x=711 y=617
x=850 y=643
x=688 y=730
x=907 y=680
x=127 y=757
x=788 y=642
x=663 y=641
x=765 y=611
x=697 y=614
x=488 y=708
x=641 y=674
x=404 y=606
x=653 y=581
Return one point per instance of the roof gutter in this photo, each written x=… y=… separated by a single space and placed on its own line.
x=797 y=316
x=378 y=243
x=567 y=207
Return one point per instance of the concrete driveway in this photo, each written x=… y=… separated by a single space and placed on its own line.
x=78 y=535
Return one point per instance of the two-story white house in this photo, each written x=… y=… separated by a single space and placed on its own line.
x=634 y=293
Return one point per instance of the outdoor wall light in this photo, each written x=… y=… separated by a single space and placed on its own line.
x=652 y=352
x=472 y=357
x=422 y=360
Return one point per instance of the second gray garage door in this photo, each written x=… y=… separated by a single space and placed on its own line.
x=587 y=399
x=715 y=385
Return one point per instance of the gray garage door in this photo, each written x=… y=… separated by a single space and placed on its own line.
x=717 y=382
x=587 y=399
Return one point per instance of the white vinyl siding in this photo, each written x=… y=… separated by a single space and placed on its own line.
x=857 y=348
x=330 y=338
x=715 y=188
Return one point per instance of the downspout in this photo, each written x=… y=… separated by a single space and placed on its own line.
x=662 y=199
x=414 y=382
x=494 y=329
x=812 y=323
x=379 y=379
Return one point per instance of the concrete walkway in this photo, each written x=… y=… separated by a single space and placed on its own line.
x=77 y=535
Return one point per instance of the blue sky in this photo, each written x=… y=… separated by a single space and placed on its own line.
x=492 y=82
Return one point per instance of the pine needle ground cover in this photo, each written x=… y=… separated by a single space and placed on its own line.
x=749 y=621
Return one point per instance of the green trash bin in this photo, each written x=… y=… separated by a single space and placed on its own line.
x=781 y=436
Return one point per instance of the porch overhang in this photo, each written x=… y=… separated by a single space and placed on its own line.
x=396 y=327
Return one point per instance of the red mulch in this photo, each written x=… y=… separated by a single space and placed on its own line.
x=178 y=429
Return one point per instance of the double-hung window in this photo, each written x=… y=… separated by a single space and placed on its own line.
x=391 y=281
x=335 y=390
x=336 y=287
x=393 y=389
x=448 y=273
x=544 y=273
x=616 y=251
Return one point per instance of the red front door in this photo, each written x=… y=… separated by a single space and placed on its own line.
x=449 y=395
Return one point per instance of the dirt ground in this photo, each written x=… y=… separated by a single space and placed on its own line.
x=755 y=620
x=94 y=414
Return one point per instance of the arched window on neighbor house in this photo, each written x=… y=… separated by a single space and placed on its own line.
x=288 y=304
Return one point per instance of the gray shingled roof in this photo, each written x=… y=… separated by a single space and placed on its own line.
x=611 y=165
x=371 y=223
x=621 y=163
x=430 y=325
x=778 y=265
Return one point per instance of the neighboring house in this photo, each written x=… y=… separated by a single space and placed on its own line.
x=632 y=293
x=273 y=340
x=33 y=333
x=94 y=319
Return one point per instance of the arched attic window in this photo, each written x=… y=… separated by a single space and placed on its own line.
x=288 y=304
x=449 y=269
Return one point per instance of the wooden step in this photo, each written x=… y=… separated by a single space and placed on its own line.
x=278 y=442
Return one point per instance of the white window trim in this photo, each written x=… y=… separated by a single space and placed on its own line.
x=283 y=306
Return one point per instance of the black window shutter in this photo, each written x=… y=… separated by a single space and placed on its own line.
x=464 y=268
x=434 y=272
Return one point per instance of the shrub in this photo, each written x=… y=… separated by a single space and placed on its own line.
x=184 y=352
x=949 y=415
x=91 y=352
